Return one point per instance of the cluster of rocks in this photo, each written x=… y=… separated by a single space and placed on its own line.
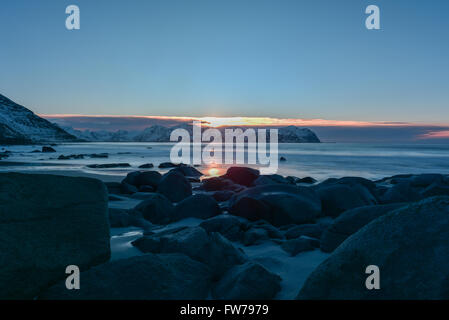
x=400 y=224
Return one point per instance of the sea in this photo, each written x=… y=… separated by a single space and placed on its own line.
x=317 y=160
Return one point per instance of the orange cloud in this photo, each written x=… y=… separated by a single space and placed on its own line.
x=435 y=135
x=249 y=121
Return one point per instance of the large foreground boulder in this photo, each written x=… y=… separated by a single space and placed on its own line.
x=47 y=223
x=147 y=277
x=249 y=281
x=409 y=245
x=350 y=222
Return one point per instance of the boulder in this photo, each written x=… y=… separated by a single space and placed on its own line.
x=147 y=178
x=156 y=209
x=309 y=230
x=126 y=188
x=48 y=149
x=401 y=192
x=197 y=206
x=435 y=189
x=306 y=180
x=337 y=198
x=211 y=249
x=288 y=208
x=301 y=244
x=146 y=166
x=409 y=245
x=142 y=195
x=278 y=204
x=242 y=175
x=220 y=184
x=175 y=187
x=350 y=222
x=229 y=226
x=223 y=195
x=255 y=236
x=187 y=171
x=146 y=277
x=271 y=179
x=251 y=209
x=425 y=180
x=48 y=222
x=249 y=281
x=119 y=218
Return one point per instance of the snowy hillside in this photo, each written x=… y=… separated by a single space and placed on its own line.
x=18 y=125
x=158 y=133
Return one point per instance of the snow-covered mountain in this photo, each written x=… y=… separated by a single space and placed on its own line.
x=293 y=134
x=158 y=133
x=18 y=125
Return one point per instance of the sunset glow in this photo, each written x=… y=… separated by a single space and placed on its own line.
x=216 y=122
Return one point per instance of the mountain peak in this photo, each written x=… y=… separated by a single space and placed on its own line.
x=19 y=125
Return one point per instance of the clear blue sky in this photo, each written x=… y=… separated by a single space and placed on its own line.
x=280 y=58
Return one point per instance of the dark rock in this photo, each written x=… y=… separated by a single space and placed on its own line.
x=147 y=277
x=255 y=236
x=337 y=198
x=147 y=189
x=350 y=222
x=175 y=187
x=147 y=178
x=409 y=245
x=223 y=195
x=119 y=218
x=142 y=195
x=156 y=209
x=146 y=166
x=251 y=209
x=197 y=206
x=99 y=155
x=271 y=179
x=109 y=165
x=113 y=187
x=218 y=184
x=288 y=208
x=282 y=159
x=211 y=249
x=309 y=230
x=126 y=188
x=425 y=180
x=131 y=178
x=48 y=222
x=249 y=281
x=230 y=227
x=242 y=175
x=165 y=165
x=301 y=244
x=187 y=171
x=435 y=189
x=306 y=180
x=48 y=149
x=401 y=192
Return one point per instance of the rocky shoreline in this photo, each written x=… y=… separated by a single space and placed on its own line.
x=50 y=222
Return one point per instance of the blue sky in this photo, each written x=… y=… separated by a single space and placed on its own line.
x=273 y=58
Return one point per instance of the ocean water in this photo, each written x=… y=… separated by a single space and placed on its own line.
x=321 y=161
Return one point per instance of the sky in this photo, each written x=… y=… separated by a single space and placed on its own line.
x=286 y=59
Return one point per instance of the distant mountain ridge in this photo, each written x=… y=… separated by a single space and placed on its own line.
x=158 y=133
x=18 y=125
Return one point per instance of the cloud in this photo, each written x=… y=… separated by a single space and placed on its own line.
x=327 y=130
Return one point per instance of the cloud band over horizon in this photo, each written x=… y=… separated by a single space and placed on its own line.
x=327 y=130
